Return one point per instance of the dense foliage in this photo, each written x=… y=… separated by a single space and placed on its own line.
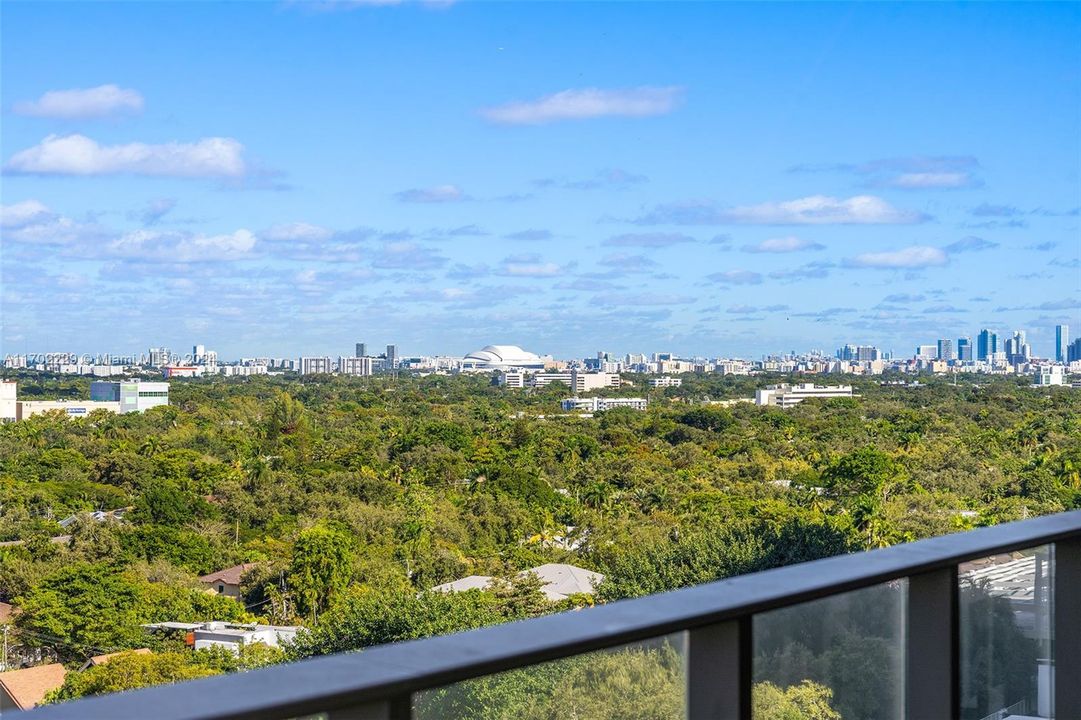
x=354 y=496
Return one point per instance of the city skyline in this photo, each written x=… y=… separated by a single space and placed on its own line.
x=720 y=180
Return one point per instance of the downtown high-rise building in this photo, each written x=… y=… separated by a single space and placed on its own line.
x=392 y=357
x=1017 y=348
x=362 y=350
x=1062 y=342
x=945 y=349
x=986 y=345
x=964 y=349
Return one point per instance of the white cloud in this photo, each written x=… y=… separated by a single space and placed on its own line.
x=736 y=277
x=916 y=256
x=531 y=235
x=648 y=240
x=23 y=213
x=787 y=244
x=154 y=210
x=79 y=155
x=298 y=231
x=152 y=246
x=644 y=298
x=532 y=269
x=915 y=181
x=812 y=210
x=587 y=103
x=621 y=262
x=971 y=244
x=407 y=256
x=530 y=265
x=437 y=194
x=82 y=103
x=31 y=222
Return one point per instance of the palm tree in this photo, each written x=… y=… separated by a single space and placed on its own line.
x=256 y=471
x=151 y=446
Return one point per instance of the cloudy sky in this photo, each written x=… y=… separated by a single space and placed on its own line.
x=699 y=178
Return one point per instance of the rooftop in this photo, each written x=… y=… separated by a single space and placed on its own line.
x=29 y=686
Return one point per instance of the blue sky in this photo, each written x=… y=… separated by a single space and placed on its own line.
x=704 y=178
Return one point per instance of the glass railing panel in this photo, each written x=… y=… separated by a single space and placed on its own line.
x=1006 y=603
x=645 y=681
x=840 y=657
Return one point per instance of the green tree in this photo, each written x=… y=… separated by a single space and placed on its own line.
x=322 y=567
x=806 y=701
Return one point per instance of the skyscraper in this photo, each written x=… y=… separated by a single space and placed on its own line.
x=945 y=349
x=392 y=357
x=362 y=350
x=964 y=349
x=986 y=345
x=1062 y=342
x=1073 y=352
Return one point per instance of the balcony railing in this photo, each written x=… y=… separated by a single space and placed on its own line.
x=715 y=624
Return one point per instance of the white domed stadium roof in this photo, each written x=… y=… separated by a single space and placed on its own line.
x=500 y=357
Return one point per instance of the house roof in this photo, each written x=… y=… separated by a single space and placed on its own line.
x=471 y=582
x=28 y=687
x=103 y=659
x=7 y=612
x=230 y=576
x=561 y=580
x=558 y=580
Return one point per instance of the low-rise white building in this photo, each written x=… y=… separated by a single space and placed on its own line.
x=72 y=408
x=228 y=635
x=665 y=381
x=599 y=404
x=786 y=396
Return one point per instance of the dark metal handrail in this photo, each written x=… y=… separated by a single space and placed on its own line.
x=378 y=682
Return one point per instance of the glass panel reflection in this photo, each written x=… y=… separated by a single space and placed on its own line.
x=1006 y=606
x=841 y=657
x=644 y=680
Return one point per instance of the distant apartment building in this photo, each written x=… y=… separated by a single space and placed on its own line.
x=134 y=396
x=1049 y=375
x=361 y=350
x=392 y=358
x=599 y=404
x=159 y=357
x=786 y=396
x=242 y=370
x=1062 y=343
x=315 y=365
x=181 y=371
x=927 y=352
x=945 y=350
x=665 y=381
x=8 y=392
x=575 y=379
x=361 y=365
